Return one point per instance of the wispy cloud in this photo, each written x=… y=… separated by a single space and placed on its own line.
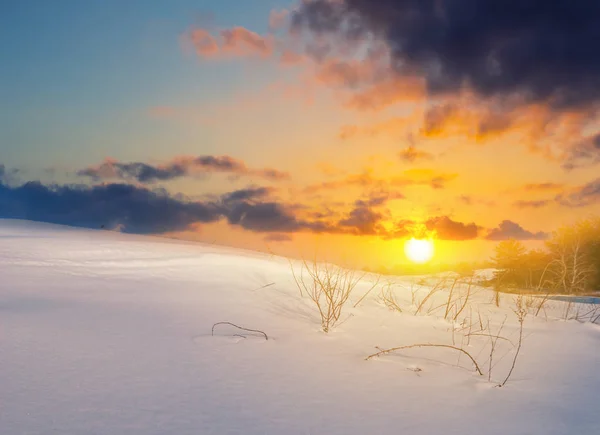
x=234 y=42
x=532 y=203
x=367 y=180
x=176 y=168
x=543 y=187
x=582 y=196
x=448 y=229
x=583 y=154
x=512 y=230
x=412 y=154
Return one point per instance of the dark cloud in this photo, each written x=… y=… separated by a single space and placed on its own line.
x=447 y=229
x=247 y=194
x=512 y=230
x=264 y=217
x=585 y=153
x=538 y=49
x=133 y=209
x=583 y=196
x=178 y=167
x=363 y=220
x=139 y=171
x=533 y=203
x=137 y=209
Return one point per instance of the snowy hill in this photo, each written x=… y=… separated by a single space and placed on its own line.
x=107 y=334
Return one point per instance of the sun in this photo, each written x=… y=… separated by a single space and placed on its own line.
x=419 y=251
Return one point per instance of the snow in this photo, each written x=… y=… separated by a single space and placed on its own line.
x=105 y=333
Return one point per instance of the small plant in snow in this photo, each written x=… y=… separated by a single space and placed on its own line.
x=329 y=287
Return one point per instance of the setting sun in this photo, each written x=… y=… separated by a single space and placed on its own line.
x=419 y=251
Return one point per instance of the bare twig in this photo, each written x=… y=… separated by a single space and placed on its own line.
x=369 y=291
x=389 y=299
x=466 y=299
x=521 y=313
x=386 y=351
x=239 y=327
x=264 y=286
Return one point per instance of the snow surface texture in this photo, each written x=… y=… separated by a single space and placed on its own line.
x=108 y=334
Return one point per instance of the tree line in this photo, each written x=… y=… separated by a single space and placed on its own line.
x=569 y=264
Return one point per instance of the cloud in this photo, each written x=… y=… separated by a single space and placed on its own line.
x=466 y=199
x=512 y=230
x=583 y=196
x=250 y=193
x=426 y=177
x=234 y=42
x=440 y=228
x=279 y=238
x=366 y=180
x=134 y=209
x=137 y=209
x=465 y=116
x=542 y=187
x=447 y=229
x=539 y=51
x=363 y=219
x=176 y=168
x=264 y=217
x=470 y=200
x=411 y=154
x=582 y=154
x=383 y=94
x=532 y=203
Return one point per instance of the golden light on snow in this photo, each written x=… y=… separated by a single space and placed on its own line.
x=419 y=251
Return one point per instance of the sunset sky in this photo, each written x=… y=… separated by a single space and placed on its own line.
x=341 y=127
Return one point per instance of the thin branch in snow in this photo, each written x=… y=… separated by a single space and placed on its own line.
x=239 y=327
x=393 y=349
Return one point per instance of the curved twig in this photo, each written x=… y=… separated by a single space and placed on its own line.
x=393 y=349
x=490 y=336
x=239 y=327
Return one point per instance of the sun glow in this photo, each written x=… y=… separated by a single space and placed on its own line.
x=419 y=251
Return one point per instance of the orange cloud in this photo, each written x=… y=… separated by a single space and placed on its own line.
x=204 y=43
x=382 y=95
x=234 y=42
x=413 y=177
x=532 y=203
x=411 y=154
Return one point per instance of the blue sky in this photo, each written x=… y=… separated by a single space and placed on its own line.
x=78 y=76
